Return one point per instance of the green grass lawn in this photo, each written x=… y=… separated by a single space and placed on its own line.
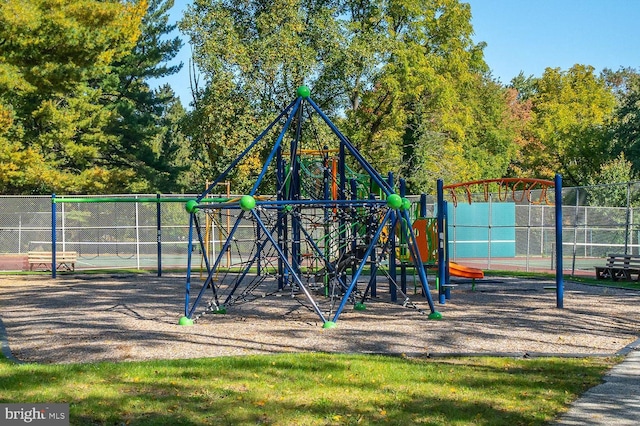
x=307 y=389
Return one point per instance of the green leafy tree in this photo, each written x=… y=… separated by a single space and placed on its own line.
x=74 y=91
x=607 y=189
x=524 y=85
x=50 y=53
x=174 y=148
x=220 y=127
x=626 y=127
x=139 y=116
x=520 y=112
x=253 y=56
x=568 y=131
x=403 y=79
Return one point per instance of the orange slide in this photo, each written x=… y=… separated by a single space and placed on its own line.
x=427 y=240
x=464 y=271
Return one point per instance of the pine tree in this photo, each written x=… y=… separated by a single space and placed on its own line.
x=140 y=113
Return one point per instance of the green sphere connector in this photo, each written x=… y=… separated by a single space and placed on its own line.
x=287 y=208
x=435 y=315
x=185 y=321
x=359 y=306
x=329 y=324
x=191 y=206
x=406 y=204
x=303 y=92
x=247 y=202
x=394 y=201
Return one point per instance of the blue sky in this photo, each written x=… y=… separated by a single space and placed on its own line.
x=528 y=36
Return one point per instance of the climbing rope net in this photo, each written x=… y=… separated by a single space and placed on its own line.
x=332 y=243
x=323 y=221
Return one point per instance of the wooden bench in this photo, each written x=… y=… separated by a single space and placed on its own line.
x=65 y=260
x=620 y=267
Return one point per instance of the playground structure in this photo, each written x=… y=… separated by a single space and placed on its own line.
x=518 y=189
x=333 y=226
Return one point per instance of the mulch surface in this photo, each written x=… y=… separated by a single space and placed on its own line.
x=123 y=317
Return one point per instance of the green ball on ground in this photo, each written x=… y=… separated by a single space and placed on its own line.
x=435 y=315
x=185 y=321
x=360 y=306
x=329 y=324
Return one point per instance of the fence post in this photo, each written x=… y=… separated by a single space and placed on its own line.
x=159 y=234
x=489 y=232
x=627 y=217
x=53 y=235
x=137 y=222
x=575 y=232
x=528 y=250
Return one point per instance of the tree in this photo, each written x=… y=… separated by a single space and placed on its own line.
x=403 y=79
x=568 y=130
x=520 y=111
x=626 y=127
x=139 y=116
x=50 y=54
x=222 y=119
x=606 y=186
x=525 y=86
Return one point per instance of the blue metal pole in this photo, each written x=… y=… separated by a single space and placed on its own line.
x=276 y=146
x=447 y=260
x=189 y=251
x=403 y=233
x=294 y=190
x=417 y=262
x=365 y=165
x=393 y=289
x=361 y=266
x=559 y=266
x=159 y=234
x=441 y=243
x=235 y=162
x=53 y=235
x=259 y=250
x=307 y=203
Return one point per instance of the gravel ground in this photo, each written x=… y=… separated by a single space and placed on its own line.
x=90 y=318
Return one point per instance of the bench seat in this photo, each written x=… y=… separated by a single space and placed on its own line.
x=65 y=260
x=620 y=267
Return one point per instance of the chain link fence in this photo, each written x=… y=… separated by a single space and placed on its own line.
x=148 y=234
x=596 y=221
